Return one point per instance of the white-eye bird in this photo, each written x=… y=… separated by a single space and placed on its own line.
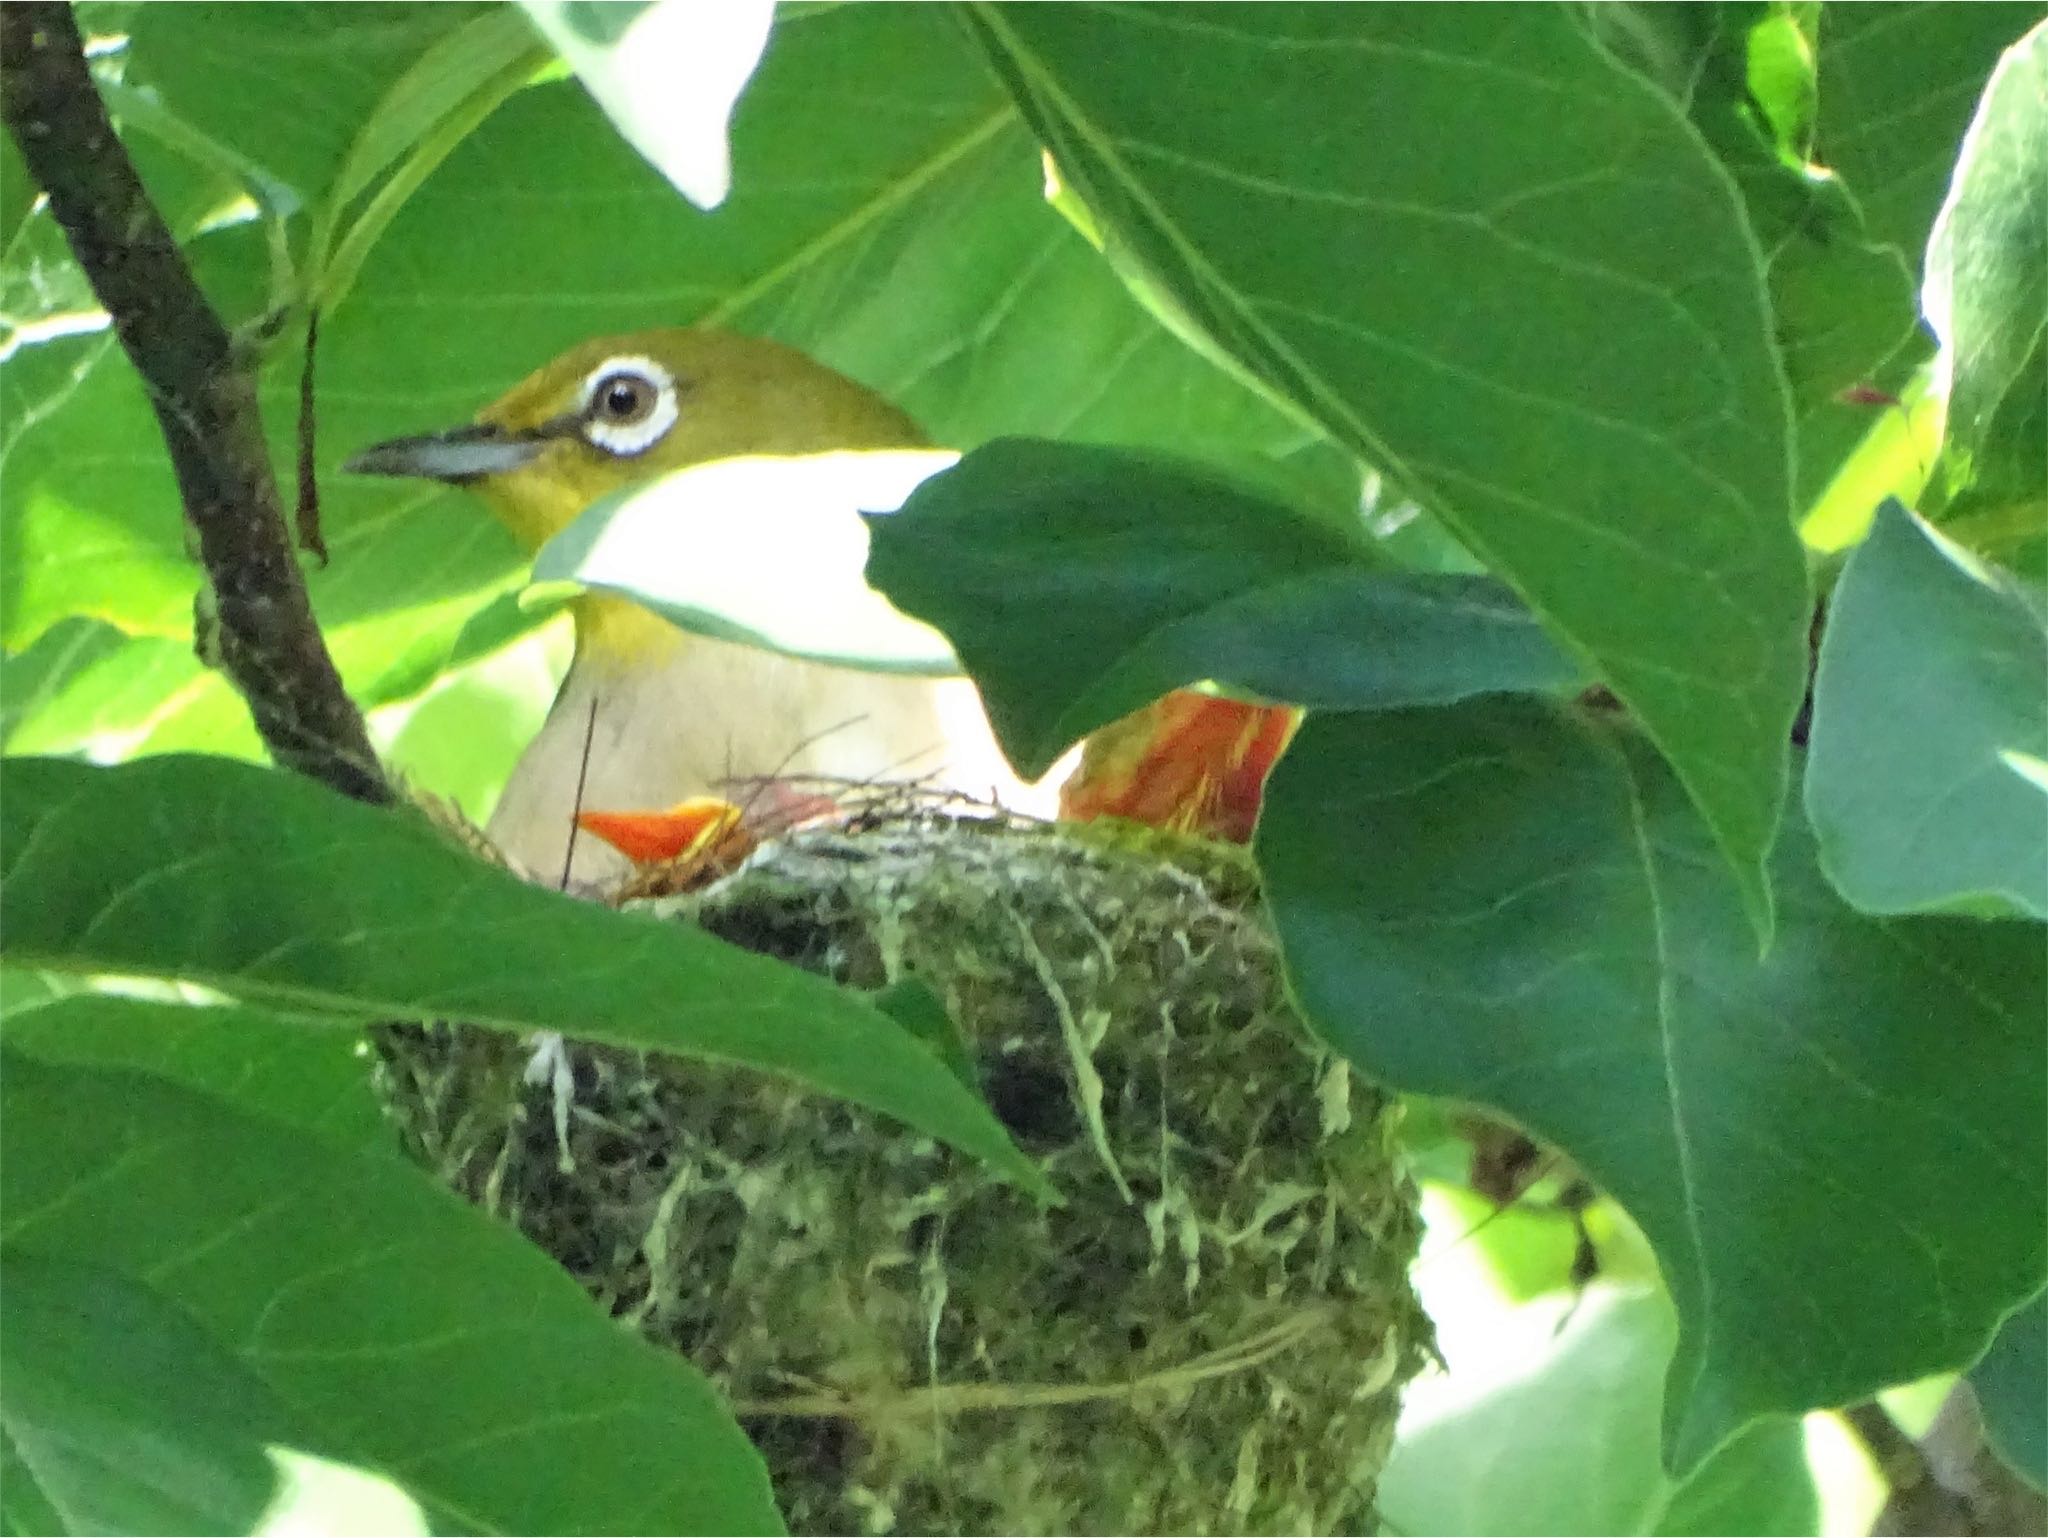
x=680 y=715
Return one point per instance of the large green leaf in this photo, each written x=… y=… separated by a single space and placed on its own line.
x=295 y=138
x=2011 y=1384
x=400 y=1329
x=1839 y=1153
x=1843 y=304
x=1161 y=574
x=1897 y=86
x=1927 y=780
x=1986 y=293
x=1548 y=1425
x=311 y=1073
x=667 y=73
x=124 y=1416
x=281 y=893
x=1554 y=331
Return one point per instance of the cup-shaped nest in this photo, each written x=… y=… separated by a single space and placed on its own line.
x=1211 y=1335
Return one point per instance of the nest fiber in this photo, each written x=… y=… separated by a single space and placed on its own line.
x=1210 y=1335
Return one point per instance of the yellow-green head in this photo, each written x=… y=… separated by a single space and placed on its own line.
x=619 y=410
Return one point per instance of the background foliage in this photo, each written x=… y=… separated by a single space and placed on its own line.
x=1421 y=364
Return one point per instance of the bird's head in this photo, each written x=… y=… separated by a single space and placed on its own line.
x=621 y=410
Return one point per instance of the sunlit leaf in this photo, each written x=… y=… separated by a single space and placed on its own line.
x=1545 y=1425
x=668 y=73
x=1986 y=296
x=769 y=551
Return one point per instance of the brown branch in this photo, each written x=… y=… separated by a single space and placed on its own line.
x=261 y=630
x=1949 y=1484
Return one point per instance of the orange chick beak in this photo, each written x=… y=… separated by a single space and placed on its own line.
x=705 y=826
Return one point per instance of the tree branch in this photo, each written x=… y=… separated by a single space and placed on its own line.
x=1949 y=1482
x=263 y=634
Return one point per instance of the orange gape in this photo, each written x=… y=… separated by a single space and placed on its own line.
x=1190 y=763
x=707 y=826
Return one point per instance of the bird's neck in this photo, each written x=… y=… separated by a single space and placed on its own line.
x=617 y=634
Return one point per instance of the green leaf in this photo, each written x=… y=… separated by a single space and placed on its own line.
x=273 y=889
x=405 y=1331
x=1986 y=293
x=85 y=683
x=668 y=73
x=1927 y=779
x=766 y=551
x=1548 y=1425
x=1163 y=574
x=1843 y=304
x=1839 y=1153
x=305 y=1071
x=124 y=1416
x=1897 y=87
x=912 y=1004
x=18 y=192
x=305 y=76
x=2011 y=1384
x=438 y=102
x=1459 y=306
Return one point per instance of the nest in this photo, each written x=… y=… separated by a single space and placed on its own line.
x=1210 y=1336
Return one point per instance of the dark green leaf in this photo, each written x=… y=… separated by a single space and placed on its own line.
x=1927 y=781
x=124 y=1416
x=1897 y=86
x=1839 y=1153
x=667 y=73
x=1161 y=574
x=1549 y=1426
x=2012 y=1391
x=911 y=1003
x=1555 y=332
x=273 y=889
x=405 y=1331
x=312 y=1073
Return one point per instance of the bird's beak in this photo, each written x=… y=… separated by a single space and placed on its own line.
x=458 y=455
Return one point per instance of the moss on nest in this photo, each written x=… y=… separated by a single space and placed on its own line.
x=1210 y=1336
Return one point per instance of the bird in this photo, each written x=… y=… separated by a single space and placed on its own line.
x=649 y=716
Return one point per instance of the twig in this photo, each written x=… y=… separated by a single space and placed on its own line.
x=967 y=1398
x=261 y=630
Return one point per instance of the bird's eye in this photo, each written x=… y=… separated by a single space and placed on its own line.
x=625 y=398
x=628 y=405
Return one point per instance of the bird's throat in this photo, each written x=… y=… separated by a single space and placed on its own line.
x=615 y=634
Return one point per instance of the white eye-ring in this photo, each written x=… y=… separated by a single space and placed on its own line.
x=628 y=404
